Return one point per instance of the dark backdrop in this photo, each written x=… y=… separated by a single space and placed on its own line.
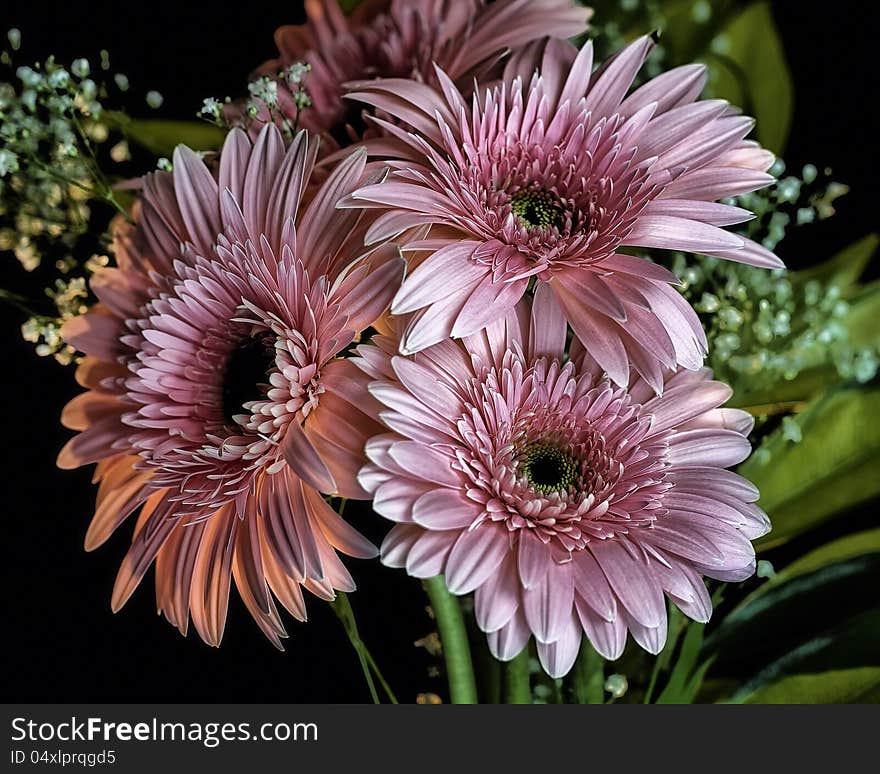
x=63 y=643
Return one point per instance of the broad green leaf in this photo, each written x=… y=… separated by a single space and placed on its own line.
x=785 y=614
x=749 y=68
x=832 y=468
x=806 y=385
x=687 y=29
x=162 y=137
x=831 y=569
x=856 y=482
x=844 y=269
x=852 y=645
x=861 y=320
x=839 y=550
x=838 y=686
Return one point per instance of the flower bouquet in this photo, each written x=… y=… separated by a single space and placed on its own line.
x=507 y=275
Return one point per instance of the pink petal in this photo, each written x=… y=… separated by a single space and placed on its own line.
x=475 y=556
x=665 y=232
x=429 y=282
x=497 y=600
x=607 y=637
x=558 y=657
x=632 y=582
x=548 y=605
x=510 y=640
x=548 y=326
x=300 y=454
x=533 y=559
x=444 y=509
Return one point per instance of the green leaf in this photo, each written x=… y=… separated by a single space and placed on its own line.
x=687 y=676
x=768 y=625
x=685 y=34
x=829 y=570
x=861 y=320
x=848 y=547
x=806 y=385
x=862 y=331
x=750 y=70
x=162 y=137
x=844 y=269
x=832 y=468
x=838 y=686
x=853 y=645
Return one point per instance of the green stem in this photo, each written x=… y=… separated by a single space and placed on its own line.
x=18 y=301
x=588 y=676
x=487 y=669
x=453 y=636
x=382 y=681
x=652 y=683
x=677 y=623
x=517 y=689
x=342 y=607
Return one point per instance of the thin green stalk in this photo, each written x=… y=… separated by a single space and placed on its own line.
x=342 y=607
x=453 y=636
x=18 y=301
x=676 y=626
x=382 y=681
x=652 y=683
x=588 y=676
x=517 y=689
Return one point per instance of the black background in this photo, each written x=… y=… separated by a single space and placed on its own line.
x=62 y=641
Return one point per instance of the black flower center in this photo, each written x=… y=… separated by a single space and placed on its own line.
x=548 y=468
x=247 y=367
x=537 y=209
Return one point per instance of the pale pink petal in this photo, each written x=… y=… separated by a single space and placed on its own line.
x=558 y=657
x=474 y=557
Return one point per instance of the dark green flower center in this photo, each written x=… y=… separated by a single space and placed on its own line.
x=247 y=367
x=536 y=209
x=548 y=469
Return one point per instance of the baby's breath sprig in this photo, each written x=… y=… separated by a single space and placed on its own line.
x=766 y=327
x=53 y=128
x=271 y=99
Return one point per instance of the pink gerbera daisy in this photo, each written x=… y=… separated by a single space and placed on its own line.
x=568 y=504
x=217 y=403
x=403 y=38
x=547 y=176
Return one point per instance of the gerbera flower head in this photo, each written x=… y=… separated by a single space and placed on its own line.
x=549 y=176
x=402 y=39
x=566 y=503
x=217 y=402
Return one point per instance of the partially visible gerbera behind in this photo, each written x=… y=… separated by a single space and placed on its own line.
x=566 y=503
x=217 y=404
x=547 y=176
x=403 y=38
